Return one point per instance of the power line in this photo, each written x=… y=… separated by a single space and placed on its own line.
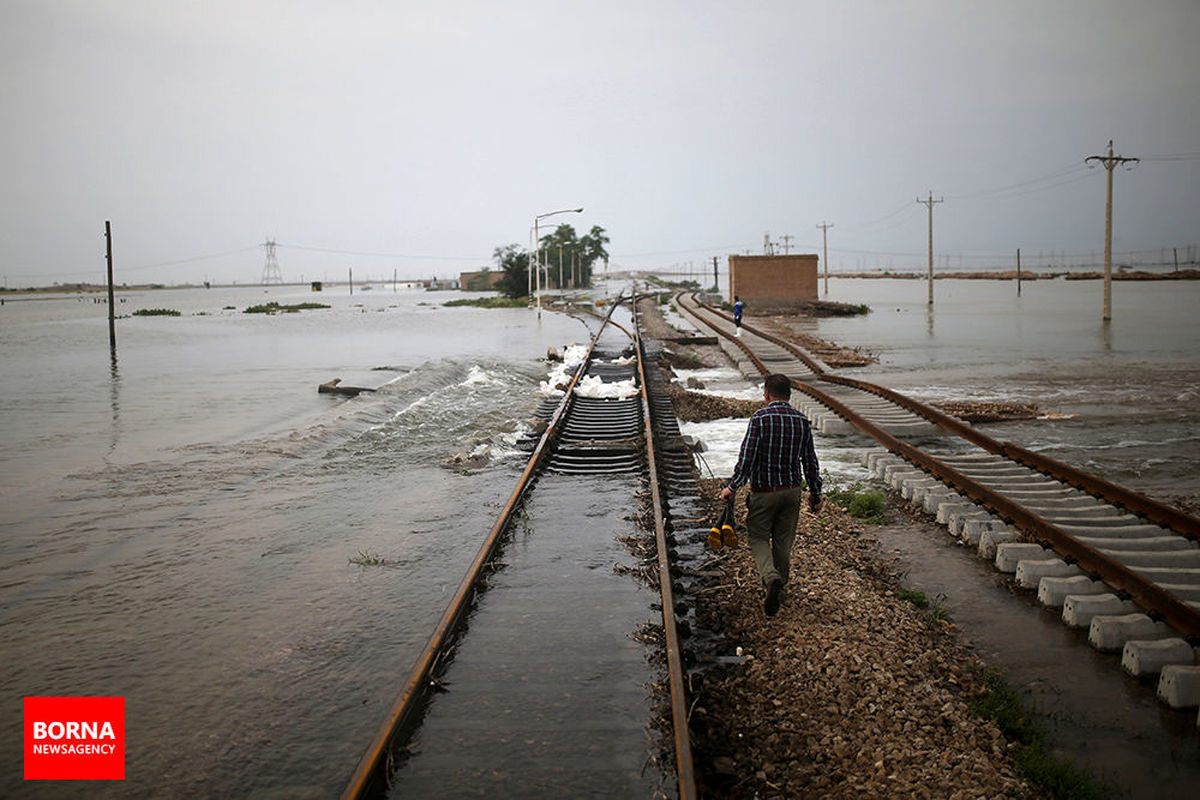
x=368 y=254
x=1053 y=176
x=192 y=260
x=1173 y=157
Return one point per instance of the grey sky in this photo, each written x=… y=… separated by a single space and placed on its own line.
x=431 y=132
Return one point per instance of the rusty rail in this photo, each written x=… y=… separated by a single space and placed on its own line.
x=371 y=774
x=1180 y=615
x=1183 y=524
x=684 y=771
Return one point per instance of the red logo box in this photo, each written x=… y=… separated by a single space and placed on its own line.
x=75 y=738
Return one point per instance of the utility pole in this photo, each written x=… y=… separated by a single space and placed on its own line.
x=1109 y=161
x=787 y=243
x=931 y=203
x=112 y=319
x=1018 y=272
x=825 y=226
x=717 y=280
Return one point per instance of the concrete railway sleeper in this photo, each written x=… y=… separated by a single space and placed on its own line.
x=1119 y=564
x=583 y=436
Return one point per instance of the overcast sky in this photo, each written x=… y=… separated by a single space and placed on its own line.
x=418 y=136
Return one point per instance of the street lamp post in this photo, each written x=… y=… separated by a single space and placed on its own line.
x=537 y=241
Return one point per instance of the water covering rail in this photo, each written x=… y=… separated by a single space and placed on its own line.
x=1177 y=613
x=371 y=774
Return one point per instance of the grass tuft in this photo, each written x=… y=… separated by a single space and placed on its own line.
x=865 y=504
x=367 y=558
x=1058 y=776
x=156 y=312
x=490 y=302
x=274 y=308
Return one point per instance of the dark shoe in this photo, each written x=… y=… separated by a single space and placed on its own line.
x=774 y=597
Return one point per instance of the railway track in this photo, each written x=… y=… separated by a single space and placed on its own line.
x=497 y=708
x=1122 y=566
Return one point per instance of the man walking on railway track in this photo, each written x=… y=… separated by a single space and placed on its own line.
x=777 y=453
x=739 y=308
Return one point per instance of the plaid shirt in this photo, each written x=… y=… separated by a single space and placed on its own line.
x=777 y=448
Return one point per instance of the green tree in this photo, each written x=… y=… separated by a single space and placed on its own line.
x=593 y=245
x=514 y=262
x=563 y=247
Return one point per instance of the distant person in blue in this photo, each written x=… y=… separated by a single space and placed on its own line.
x=777 y=453
x=738 y=309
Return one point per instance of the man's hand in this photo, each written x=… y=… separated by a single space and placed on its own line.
x=726 y=494
x=815 y=503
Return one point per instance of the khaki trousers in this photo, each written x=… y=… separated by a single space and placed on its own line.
x=771 y=529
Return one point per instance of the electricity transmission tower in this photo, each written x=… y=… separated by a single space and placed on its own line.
x=271 y=273
x=1109 y=161
x=931 y=203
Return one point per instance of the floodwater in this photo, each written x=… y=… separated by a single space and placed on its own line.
x=1118 y=399
x=179 y=529
x=1126 y=393
x=1099 y=718
x=548 y=692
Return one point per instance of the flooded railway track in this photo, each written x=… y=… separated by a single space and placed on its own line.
x=530 y=687
x=1120 y=565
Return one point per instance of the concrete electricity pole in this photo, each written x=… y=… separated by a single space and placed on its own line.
x=931 y=203
x=825 y=226
x=1109 y=161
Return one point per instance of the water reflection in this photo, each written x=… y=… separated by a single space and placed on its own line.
x=114 y=399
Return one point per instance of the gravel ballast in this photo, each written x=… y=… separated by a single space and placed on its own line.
x=850 y=691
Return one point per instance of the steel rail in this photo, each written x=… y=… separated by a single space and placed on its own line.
x=1177 y=613
x=371 y=775
x=1181 y=523
x=684 y=770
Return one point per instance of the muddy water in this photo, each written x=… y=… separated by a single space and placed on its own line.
x=548 y=694
x=1104 y=720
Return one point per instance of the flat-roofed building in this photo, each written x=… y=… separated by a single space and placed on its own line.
x=769 y=281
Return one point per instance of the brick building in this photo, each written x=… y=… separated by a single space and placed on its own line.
x=484 y=280
x=773 y=281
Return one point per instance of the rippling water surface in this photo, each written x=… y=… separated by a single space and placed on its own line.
x=178 y=529
x=1129 y=390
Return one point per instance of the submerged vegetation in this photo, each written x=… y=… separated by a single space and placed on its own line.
x=1059 y=777
x=368 y=558
x=934 y=608
x=273 y=308
x=490 y=302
